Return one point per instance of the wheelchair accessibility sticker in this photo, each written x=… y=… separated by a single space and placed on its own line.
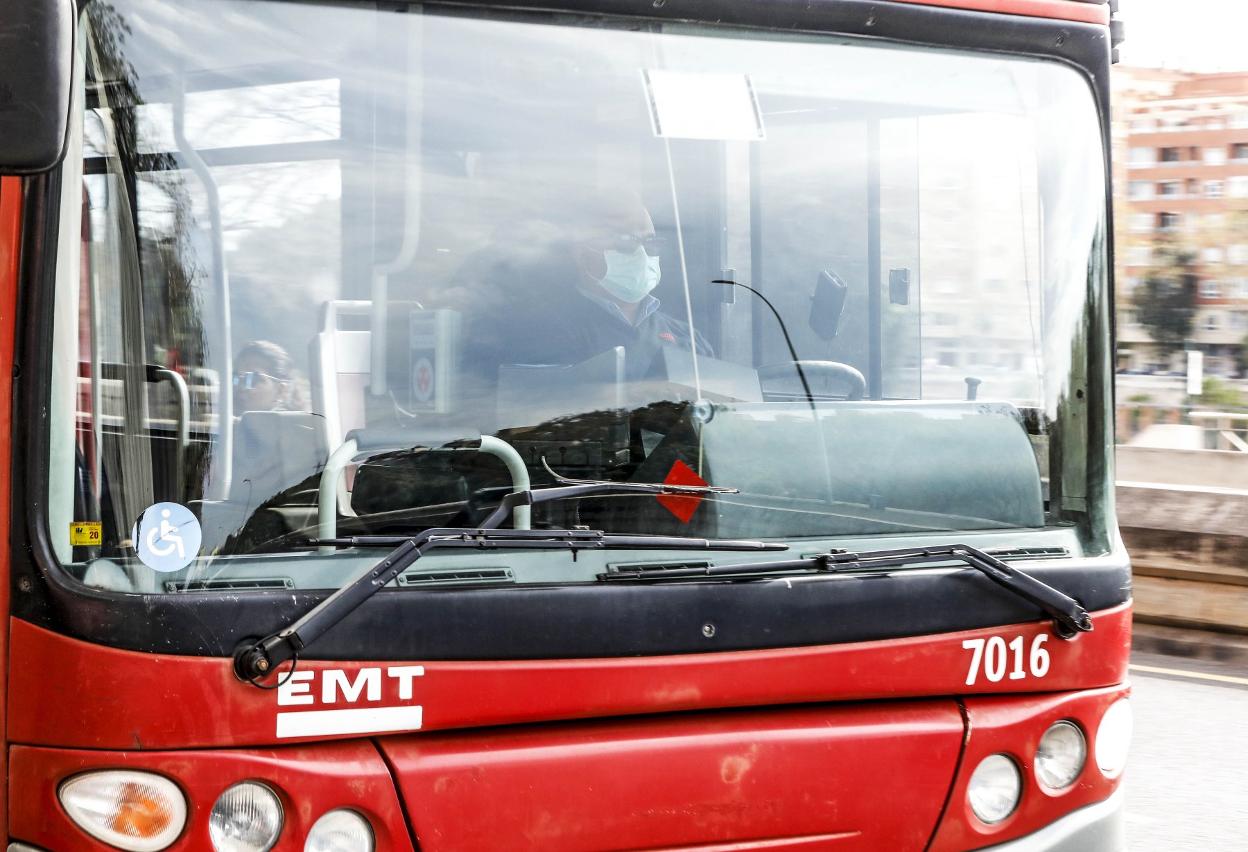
x=167 y=537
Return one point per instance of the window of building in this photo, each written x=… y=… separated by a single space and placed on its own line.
x=1168 y=221
x=1239 y=151
x=1212 y=254
x=1215 y=156
x=1213 y=189
x=1169 y=188
x=1237 y=187
x=1210 y=322
x=1142 y=156
x=1238 y=288
x=1215 y=221
x=1169 y=155
x=1239 y=320
x=1139 y=256
x=1210 y=288
x=1237 y=254
x=1143 y=125
x=1140 y=222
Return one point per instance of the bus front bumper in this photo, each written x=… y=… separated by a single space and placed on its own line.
x=1095 y=828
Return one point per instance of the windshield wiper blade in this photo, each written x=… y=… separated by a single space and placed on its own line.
x=260 y=658
x=1069 y=616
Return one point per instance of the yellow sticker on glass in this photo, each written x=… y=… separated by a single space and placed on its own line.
x=85 y=533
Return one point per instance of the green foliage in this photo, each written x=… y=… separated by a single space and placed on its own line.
x=1165 y=303
x=1140 y=398
x=1216 y=394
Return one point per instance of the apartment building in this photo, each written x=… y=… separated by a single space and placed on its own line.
x=1181 y=177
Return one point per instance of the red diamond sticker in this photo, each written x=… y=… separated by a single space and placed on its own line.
x=681 y=506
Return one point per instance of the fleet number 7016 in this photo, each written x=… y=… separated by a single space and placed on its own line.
x=994 y=657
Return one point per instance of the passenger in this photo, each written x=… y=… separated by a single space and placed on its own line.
x=265 y=380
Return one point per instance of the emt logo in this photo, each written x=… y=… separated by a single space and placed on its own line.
x=333 y=692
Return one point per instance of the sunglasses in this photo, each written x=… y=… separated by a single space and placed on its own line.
x=251 y=379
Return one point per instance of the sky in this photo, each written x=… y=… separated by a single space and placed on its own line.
x=1192 y=35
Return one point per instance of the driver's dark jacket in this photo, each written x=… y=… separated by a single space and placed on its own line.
x=561 y=325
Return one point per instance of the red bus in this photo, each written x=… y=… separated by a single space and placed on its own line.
x=560 y=425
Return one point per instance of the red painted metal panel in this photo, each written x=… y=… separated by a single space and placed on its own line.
x=69 y=693
x=1013 y=726
x=835 y=778
x=1065 y=10
x=10 y=252
x=309 y=781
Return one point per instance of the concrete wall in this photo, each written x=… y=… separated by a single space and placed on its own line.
x=1189 y=468
x=1188 y=546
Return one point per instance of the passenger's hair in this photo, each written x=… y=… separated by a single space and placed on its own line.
x=279 y=364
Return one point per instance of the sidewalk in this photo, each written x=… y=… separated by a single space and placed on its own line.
x=1193 y=644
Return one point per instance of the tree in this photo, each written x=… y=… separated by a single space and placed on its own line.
x=1242 y=357
x=1165 y=302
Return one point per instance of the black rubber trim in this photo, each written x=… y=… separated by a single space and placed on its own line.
x=590 y=620
x=584 y=621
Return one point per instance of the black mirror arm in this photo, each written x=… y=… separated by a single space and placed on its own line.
x=788 y=341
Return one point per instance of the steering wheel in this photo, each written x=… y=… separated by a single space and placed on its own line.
x=854 y=380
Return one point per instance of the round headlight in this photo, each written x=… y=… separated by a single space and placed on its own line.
x=136 y=811
x=340 y=831
x=995 y=788
x=1061 y=755
x=246 y=818
x=1113 y=738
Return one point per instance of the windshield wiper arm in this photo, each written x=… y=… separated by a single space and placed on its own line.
x=260 y=658
x=1069 y=616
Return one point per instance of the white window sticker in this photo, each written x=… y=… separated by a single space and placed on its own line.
x=696 y=105
x=998 y=659
x=166 y=537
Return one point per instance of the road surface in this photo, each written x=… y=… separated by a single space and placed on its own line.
x=1187 y=777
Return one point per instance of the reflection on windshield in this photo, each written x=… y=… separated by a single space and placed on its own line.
x=373 y=285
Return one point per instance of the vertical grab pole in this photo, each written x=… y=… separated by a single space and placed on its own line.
x=875 y=306
x=411 y=184
x=223 y=459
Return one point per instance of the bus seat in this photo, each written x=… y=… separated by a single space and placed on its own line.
x=340 y=369
x=275 y=451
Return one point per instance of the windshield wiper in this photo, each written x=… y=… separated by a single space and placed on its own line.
x=1069 y=616
x=258 y=659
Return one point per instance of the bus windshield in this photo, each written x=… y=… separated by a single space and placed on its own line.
x=333 y=270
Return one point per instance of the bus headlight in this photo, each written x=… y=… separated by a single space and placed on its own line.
x=1113 y=738
x=246 y=818
x=1061 y=755
x=340 y=831
x=995 y=788
x=136 y=811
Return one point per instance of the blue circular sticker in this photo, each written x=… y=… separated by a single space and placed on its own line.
x=167 y=537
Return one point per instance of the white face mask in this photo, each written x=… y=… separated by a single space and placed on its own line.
x=630 y=276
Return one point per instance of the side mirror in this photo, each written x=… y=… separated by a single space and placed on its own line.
x=828 y=304
x=36 y=67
